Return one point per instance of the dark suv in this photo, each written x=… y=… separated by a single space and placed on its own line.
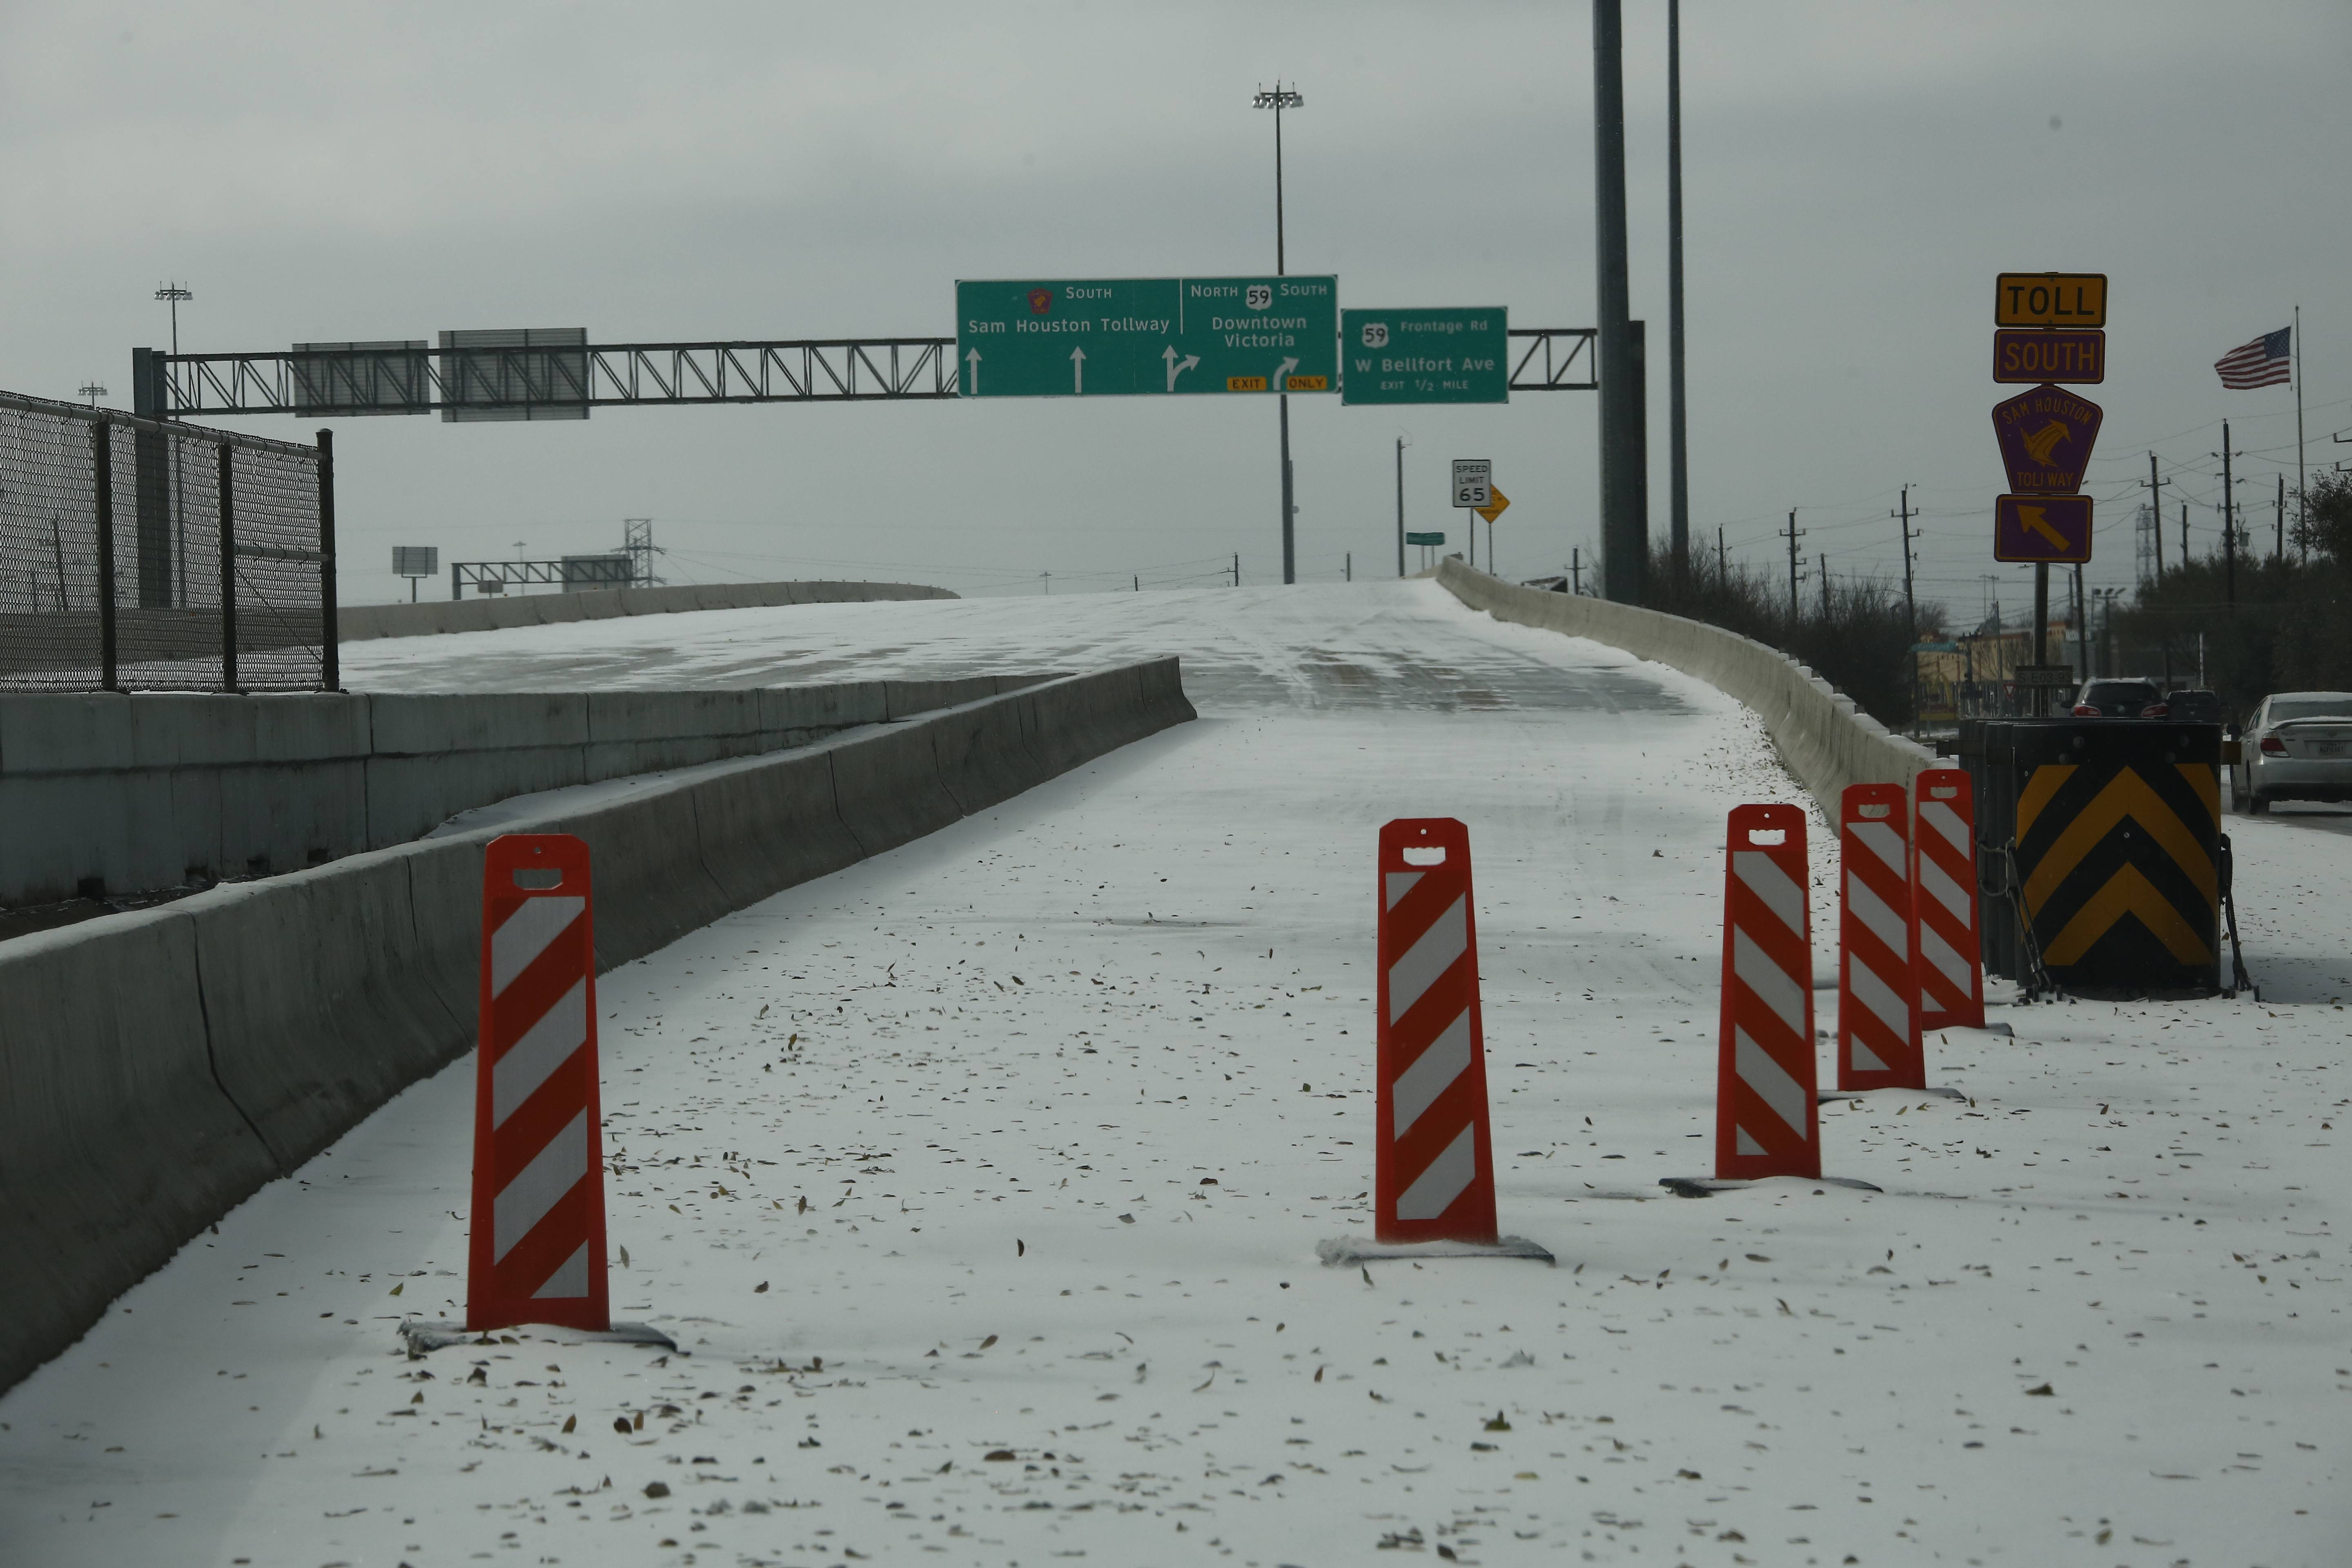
x=2119 y=700
x=2193 y=707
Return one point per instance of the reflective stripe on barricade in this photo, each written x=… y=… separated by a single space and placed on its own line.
x=1765 y=1119
x=1946 y=954
x=1878 y=1015
x=537 y=1250
x=1435 y=1166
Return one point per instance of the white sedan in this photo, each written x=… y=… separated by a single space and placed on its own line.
x=2297 y=746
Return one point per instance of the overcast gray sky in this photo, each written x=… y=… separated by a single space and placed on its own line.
x=1855 y=175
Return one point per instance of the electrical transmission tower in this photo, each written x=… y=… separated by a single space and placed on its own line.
x=2144 y=546
x=637 y=540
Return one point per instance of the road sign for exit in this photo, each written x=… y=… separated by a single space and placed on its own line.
x=1451 y=355
x=1116 y=337
x=1474 y=481
x=1428 y=538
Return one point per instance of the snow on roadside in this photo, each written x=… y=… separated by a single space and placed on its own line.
x=1071 y=1089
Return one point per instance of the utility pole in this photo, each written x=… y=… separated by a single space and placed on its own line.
x=1795 y=534
x=1677 y=453
x=1237 y=568
x=2156 y=485
x=2184 y=534
x=1910 y=605
x=1401 y=444
x=1624 y=463
x=1722 y=558
x=1575 y=570
x=2301 y=505
x=2280 y=551
x=2229 y=521
x=1280 y=98
x=1823 y=562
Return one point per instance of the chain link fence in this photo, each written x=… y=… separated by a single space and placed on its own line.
x=138 y=555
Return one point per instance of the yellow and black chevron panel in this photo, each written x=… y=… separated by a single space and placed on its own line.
x=2116 y=859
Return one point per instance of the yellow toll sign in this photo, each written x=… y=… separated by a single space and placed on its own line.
x=2051 y=300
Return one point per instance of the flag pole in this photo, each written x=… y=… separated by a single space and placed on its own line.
x=2302 y=507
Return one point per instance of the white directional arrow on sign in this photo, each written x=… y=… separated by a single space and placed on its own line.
x=1282 y=375
x=973 y=360
x=1078 y=371
x=1177 y=367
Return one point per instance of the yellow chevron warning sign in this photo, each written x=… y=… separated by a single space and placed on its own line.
x=2119 y=867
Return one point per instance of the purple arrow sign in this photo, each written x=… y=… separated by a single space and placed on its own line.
x=2046 y=435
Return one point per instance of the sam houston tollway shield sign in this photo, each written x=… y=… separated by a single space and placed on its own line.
x=2045 y=436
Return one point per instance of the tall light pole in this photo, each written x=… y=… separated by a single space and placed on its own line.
x=1624 y=461
x=1677 y=452
x=1278 y=100
x=93 y=392
x=173 y=293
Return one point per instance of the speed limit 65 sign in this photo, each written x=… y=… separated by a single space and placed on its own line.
x=1474 y=481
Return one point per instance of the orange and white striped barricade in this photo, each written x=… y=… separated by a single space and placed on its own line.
x=1878 y=1011
x=538 y=1241
x=1946 y=954
x=1764 y=1121
x=1435 y=1178
x=1434 y=1175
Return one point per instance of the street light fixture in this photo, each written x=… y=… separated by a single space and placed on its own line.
x=1279 y=99
x=93 y=392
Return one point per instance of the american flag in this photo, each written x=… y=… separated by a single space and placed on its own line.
x=2262 y=363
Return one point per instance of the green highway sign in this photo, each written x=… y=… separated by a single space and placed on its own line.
x=1429 y=539
x=1459 y=355
x=1118 y=337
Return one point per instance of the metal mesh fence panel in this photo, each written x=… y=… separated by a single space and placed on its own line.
x=174 y=603
x=48 y=552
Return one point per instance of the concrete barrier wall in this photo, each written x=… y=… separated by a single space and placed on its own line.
x=362 y=623
x=157 y=1068
x=1826 y=742
x=137 y=791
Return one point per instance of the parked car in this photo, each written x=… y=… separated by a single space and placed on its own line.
x=2195 y=706
x=2118 y=700
x=2297 y=746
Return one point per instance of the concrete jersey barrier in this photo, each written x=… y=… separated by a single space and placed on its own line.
x=144 y=791
x=365 y=623
x=157 y=1068
x=1826 y=740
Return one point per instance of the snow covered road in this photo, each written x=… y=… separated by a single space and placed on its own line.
x=982 y=1183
